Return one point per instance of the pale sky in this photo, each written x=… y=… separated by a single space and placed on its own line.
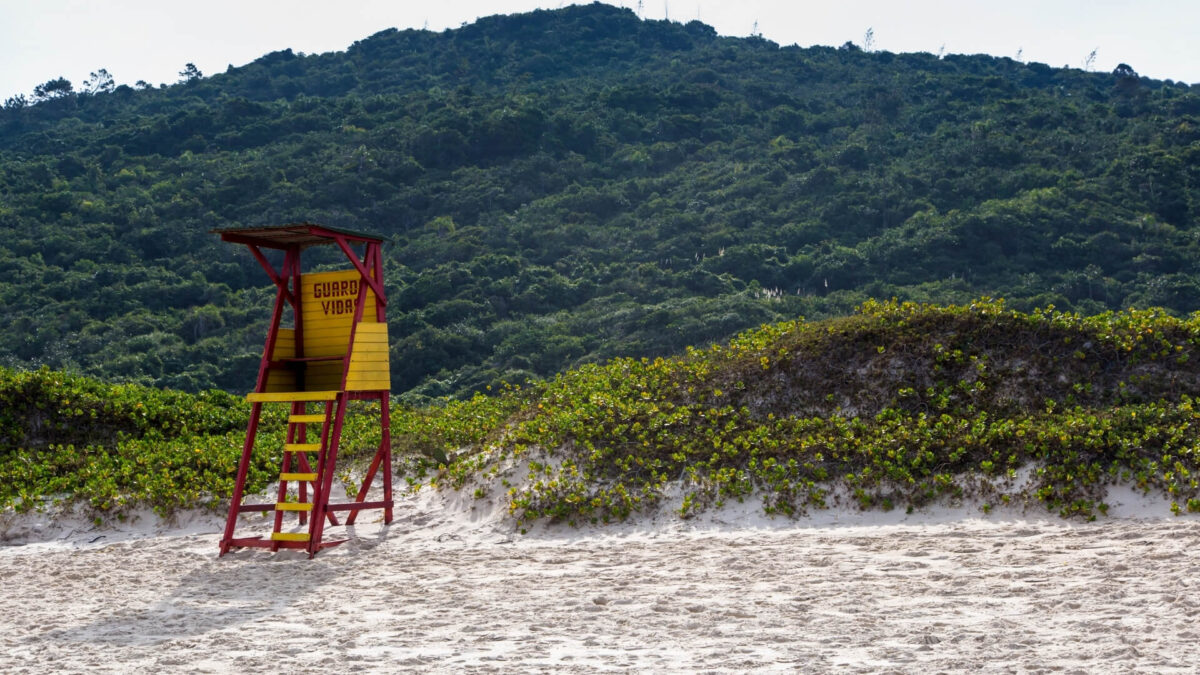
x=152 y=40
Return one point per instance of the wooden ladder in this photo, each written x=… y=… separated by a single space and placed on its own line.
x=294 y=468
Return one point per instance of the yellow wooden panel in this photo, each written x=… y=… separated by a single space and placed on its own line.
x=368 y=385
x=321 y=325
x=326 y=346
x=369 y=365
x=324 y=312
x=321 y=348
x=316 y=375
x=373 y=379
x=289 y=396
x=369 y=350
x=280 y=380
x=293 y=506
x=370 y=380
x=373 y=332
x=289 y=536
x=370 y=345
x=370 y=340
x=329 y=351
x=327 y=303
x=327 y=332
x=319 y=289
x=323 y=375
x=302 y=447
x=368 y=370
x=306 y=419
x=285 y=345
x=309 y=477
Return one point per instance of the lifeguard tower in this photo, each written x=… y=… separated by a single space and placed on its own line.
x=335 y=351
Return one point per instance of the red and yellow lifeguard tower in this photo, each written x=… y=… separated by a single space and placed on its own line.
x=335 y=351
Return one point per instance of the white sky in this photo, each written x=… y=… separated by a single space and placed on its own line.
x=152 y=40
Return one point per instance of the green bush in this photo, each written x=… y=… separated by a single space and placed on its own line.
x=899 y=406
x=69 y=438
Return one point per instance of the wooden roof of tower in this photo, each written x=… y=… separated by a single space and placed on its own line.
x=293 y=235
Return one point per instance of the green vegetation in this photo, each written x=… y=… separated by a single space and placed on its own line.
x=68 y=438
x=563 y=187
x=898 y=406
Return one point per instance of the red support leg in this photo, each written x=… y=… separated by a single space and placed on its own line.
x=366 y=485
x=383 y=458
x=326 y=466
x=385 y=446
x=239 y=485
x=326 y=427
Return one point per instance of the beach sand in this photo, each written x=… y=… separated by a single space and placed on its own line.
x=451 y=587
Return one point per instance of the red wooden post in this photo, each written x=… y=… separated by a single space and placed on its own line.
x=386 y=448
x=239 y=483
x=325 y=470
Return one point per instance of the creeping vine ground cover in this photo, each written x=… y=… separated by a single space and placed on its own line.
x=897 y=406
x=900 y=405
x=70 y=438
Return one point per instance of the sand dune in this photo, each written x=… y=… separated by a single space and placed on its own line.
x=450 y=587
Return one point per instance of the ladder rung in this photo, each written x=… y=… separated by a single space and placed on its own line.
x=293 y=506
x=290 y=396
x=298 y=476
x=289 y=536
x=267 y=543
x=302 y=447
x=305 y=419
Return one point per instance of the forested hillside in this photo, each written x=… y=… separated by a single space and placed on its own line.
x=566 y=186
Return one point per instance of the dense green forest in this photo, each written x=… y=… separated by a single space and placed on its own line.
x=563 y=187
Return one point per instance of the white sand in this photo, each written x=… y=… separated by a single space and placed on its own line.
x=450 y=588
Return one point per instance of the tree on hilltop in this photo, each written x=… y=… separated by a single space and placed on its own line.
x=99 y=82
x=190 y=73
x=56 y=88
